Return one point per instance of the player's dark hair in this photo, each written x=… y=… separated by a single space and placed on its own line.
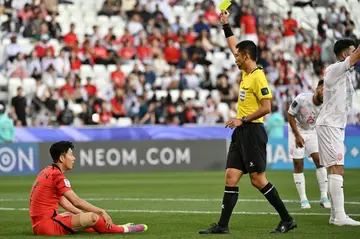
x=60 y=148
x=342 y=45
x=248 y=47
x=320 y=83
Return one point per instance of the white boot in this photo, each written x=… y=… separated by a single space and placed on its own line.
x=347 y=221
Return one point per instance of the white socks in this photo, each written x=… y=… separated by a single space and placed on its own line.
x=299 y=180
x=321 y=175
x=336 y=193
x=322 y=178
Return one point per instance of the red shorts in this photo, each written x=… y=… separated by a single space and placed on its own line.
x=55 y=226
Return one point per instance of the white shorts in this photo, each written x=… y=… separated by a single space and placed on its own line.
x=310 y=145
x=331 y=145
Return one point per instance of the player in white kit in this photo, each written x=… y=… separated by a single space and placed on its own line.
x=302 y=141
x=331 y=123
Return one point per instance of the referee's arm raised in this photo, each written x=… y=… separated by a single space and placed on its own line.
x=230 y=38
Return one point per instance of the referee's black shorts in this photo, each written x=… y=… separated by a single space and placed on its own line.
x=247 y=150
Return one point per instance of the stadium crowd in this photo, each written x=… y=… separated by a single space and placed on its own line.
x=180 y=54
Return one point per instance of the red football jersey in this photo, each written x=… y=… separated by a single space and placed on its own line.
x=49 y=186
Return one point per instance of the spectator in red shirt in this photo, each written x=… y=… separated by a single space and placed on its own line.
x=100 y=53
x=117 y=76
x=126 y=37
x=25 y=14
x=105 y=114
x=315 y=48
x=171 y=53
x=211 y=15
x=143 y=51
x=75 y=63
x=248 y=26
x=290 y=28
x=156 y=35
x=127 y=52
x=90 y=88
x=117 y=104
x=43 y=46
x=262 y=36
x=169 y=34
x=69 y=87
x=87 y=54
x=302 y=50
x=71 y=39
x=109 y=35
x=190 y=36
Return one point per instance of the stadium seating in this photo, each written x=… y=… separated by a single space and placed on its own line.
x=84 y=15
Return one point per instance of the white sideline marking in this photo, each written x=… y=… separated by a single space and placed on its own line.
x=190 y=212
x=174 y=199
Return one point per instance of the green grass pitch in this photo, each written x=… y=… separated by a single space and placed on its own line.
x=177 y=205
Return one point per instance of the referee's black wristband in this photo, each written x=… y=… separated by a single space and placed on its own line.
x=227 y=30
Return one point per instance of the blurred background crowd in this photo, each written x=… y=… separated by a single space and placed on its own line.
x=124 y=62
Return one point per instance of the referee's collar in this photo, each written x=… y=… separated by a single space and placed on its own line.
x=257 y=68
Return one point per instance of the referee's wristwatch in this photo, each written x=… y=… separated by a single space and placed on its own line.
x=243 y=119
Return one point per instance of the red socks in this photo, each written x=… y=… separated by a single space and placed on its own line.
x=90 y=230
x=100 y=227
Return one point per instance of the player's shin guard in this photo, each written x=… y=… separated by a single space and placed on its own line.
x=299 y=180
x=322 y=178
x=274 y=199
x=231 y=195
x=336 y=192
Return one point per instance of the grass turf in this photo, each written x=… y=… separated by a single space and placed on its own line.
x=177 y=205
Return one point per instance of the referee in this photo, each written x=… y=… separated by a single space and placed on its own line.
x=247 y=152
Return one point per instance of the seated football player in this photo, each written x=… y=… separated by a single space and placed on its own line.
x=51 y=188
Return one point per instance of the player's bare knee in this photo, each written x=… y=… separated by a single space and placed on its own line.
x=94 y=218
x=298 y=166
x=88 y=219
x=258 y=182
x=231 y=181
x=254 y=182
x=232 y=177
x=316 y=160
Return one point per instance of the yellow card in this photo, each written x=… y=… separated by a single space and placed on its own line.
x=224 y=5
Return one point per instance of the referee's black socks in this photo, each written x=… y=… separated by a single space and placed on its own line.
x=230 y=198
x=274 y=199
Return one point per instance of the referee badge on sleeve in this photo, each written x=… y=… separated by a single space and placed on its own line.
x=242 y=95
x=264 y=91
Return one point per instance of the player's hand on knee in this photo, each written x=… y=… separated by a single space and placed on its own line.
x=299 y=140
x=107 y=219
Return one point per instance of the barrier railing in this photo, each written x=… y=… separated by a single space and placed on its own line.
x=151 y=148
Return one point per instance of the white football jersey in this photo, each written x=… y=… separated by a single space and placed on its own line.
x=338 y=91
x=305 y=111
